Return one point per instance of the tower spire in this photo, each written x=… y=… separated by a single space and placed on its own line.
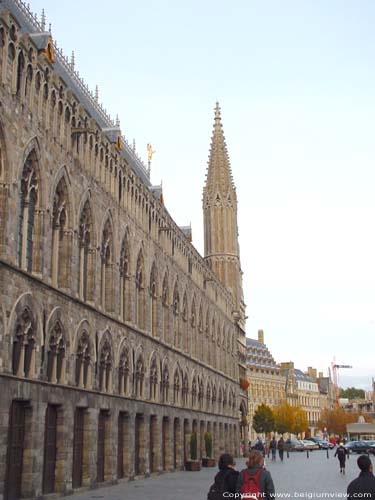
x=221 y=249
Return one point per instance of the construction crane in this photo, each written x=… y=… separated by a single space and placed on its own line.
x=335 y=368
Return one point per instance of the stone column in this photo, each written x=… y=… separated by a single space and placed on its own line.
x=90 y=447
x=32 y=474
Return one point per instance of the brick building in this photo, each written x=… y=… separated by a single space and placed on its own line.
x=117 y=338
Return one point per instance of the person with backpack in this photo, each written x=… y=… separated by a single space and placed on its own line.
x=273 y=446
x=341 y=453
x=225 y=480
x=255 y=481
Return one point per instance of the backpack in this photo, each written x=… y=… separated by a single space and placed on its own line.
x=218 y=488
x=251 y=484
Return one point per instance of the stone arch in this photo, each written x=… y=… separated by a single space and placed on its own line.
x=125 y=266
x=87 y=249
x=165 y=380
x=140 y=294
x=62 y=229
x=30 y=217
x=140 y=370
x=154 y=293
x=165 y=298
x=194 y=390
x=185 y=389
x=58 y=347
x=193 y=324
x=185 y=324
x=125 y=368
x=107 y=263
x=176 y=315
x=154 y=375
x=177 y=383
x=105 y=362
x=25 y=335
x=4 y=180
x=84 y=355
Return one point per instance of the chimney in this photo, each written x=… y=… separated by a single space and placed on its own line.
x=311 y=372
x=320 y=375
x=261 y=336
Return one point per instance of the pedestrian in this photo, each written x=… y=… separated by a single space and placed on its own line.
x=255 y=481
x=364 y=485
x=259 y=446
x=280 y=447
x=225 y=480
x=273 y=446
x=341 y=453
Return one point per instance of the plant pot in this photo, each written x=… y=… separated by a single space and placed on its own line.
x=193 y=465
x=208 y=462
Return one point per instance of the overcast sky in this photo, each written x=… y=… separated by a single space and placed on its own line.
x=295 y=80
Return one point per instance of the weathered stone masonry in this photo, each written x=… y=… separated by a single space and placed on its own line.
x=117 y=339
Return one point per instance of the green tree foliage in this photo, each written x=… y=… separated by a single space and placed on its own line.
x=263 y=419
x=194 y=446
x=208 y=444
x=352 y=393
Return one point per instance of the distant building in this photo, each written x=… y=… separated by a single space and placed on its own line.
x=302 y=390
x=267 y=385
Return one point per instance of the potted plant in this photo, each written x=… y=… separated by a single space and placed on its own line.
x=208 y=461
x=193 y=464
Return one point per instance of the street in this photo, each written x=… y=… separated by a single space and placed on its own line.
x=299 y=476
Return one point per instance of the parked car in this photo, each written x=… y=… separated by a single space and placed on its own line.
x=323 y=444
x=296 y=445
x=371 y=447
x=310 y=445
x=358 y=447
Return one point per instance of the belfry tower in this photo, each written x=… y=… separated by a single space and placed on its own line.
x=221 y=249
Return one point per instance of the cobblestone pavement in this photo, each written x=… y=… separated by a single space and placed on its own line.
x=297 y=476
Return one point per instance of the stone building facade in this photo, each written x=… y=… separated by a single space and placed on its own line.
x=302 y=390
x=267 y=384
x=117 y=339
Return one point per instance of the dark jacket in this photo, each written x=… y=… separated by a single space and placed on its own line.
x=280 y=445
x=365 y=483
x=273 y=444
x=341 y=453
x=230 y=477
x=266 y=483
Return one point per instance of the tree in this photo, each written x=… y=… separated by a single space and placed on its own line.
x=263 y=419
x=284 y=418
x=300 y=421
x=352 y=393
x=335 y=420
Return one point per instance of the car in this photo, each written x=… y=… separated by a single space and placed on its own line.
x=371 y=447
x=358 y=447
x=322 y=443
x=310 y=445
x=296 y=445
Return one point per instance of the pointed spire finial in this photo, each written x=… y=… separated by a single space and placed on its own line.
x=50 y=27
x=43 y=20
x=117 y=121
x=96 y=93
x=72 y=60
x=217 y=111
x=134 y=145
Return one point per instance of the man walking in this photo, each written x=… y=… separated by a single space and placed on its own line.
x=364 y=485
x=280 y=447
x=273 y=446
x=341 y=455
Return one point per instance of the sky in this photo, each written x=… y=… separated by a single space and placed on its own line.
x=295 y=81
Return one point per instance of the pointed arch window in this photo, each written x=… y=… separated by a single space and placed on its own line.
x=200 y=395
x=124 y=373
x=185 y=390
x=208 y=397
x=200 y=337
x=140 y=292
x=85 y=252
x=185 y=325
x=23 y=361
x=153 y=380
x=165 y=309
x=176 y=319
x=83 y=361
x=165 y=385
x=194 y=393
x=153 y=302
x=27 y=232
x=56 y=355
x=20 y=72
x=124 y=277
x=105 y=367
x=61 y=236
x=176 y=388
x=107 y=290
x=193 y=330
x=139 y=377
